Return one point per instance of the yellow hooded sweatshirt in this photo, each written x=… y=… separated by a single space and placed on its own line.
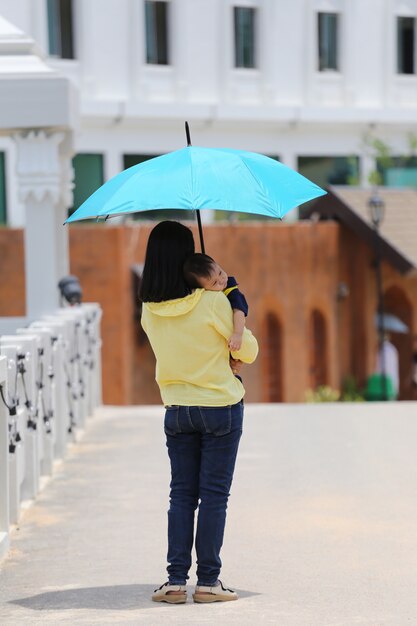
x=189 y=338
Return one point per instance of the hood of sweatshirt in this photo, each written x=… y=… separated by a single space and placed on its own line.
x=173 y=308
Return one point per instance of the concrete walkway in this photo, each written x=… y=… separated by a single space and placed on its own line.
x=322 y=526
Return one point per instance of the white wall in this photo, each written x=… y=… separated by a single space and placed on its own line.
x=109 y=43
x=284 y=107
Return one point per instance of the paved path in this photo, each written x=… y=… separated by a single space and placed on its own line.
x=322 y=526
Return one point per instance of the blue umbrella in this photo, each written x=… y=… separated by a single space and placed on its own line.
x=202 y=178
x=390 y=323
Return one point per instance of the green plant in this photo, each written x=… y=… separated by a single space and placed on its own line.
x=382 y=152
x=353 y=177
x=323 y=393
x=351 y=391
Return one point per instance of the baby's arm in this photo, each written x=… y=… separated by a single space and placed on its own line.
x=235 y=340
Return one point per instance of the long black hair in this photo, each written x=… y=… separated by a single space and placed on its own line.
x=169 y=244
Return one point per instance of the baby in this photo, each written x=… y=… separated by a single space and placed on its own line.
x=200 y=270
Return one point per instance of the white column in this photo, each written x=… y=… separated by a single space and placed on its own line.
x=113 y=162
x=44 y=174
x=367 y=166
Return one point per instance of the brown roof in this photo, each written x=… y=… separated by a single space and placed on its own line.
x=398 y=229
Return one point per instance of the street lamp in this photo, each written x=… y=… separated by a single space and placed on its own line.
x=376 y=207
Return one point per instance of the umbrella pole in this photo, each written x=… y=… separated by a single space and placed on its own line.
x=200 y=230
x=200 y=227
x=187 y=134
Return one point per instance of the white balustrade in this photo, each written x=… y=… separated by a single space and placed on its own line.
x=4 y=463
x=17 y=425
x=43 y=403
x=27 y=363
x=50 y=379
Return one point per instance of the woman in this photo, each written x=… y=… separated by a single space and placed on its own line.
x=188 y=330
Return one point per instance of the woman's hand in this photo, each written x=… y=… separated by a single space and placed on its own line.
x=235 y=365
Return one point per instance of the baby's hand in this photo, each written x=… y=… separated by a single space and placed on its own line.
x=235 y=342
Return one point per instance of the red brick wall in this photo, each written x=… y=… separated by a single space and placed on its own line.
x=274 y=265
x=284 y=269
x=12 y=273
x=97 y=257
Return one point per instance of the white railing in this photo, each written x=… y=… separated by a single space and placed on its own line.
x=50 y=380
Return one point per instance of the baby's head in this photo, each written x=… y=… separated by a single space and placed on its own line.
x=200 y=270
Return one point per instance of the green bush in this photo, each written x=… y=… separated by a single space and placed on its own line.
x=323 y=393
x=351 y=391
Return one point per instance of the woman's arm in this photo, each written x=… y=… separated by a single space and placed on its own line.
x=223 y=323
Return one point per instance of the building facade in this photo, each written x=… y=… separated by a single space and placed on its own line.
x=323 y=85
x=311 y=291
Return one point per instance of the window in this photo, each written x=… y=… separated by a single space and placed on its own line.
x=244 y=23
x=88 y=176
x=318 y=349
x=156 y=23
x=398 y=171
x=328 y=41
x=273 y=357
x=60 y=28
x=129 y=160
x=327 y=170
x=3 y=212
x=405 y=45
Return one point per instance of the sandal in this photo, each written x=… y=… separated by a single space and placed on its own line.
x=218 y=593
x=164 y=594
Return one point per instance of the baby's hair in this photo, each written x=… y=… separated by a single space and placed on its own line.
x=197 y=266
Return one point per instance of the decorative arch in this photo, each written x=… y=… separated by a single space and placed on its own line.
x=318 y=349
x=397 y=303
x=272 y=340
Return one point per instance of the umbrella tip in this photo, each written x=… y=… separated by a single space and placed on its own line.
x=187 y=133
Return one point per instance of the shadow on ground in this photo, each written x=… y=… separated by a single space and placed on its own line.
x=117 y=597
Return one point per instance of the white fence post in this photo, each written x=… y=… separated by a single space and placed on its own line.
x=50 y=377
x=75 y=320
x=27 y=359
x=68 y=388
x=18 y=418
x=94 y=314
x=43 y=405
x=59 y=388
x=4 y=463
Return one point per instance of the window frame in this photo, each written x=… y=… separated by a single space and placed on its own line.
x=55 y=7
x=255 y=27
x=338 y=18
x=102 y=155
x=168 y=31
x=414 y=56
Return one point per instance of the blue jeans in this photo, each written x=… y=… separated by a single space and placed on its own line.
x=202 y=445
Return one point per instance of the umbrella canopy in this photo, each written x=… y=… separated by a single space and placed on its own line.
x=390 y=323
x=202 y=178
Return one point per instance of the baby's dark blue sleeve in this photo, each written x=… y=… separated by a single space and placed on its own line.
x=236 y=297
